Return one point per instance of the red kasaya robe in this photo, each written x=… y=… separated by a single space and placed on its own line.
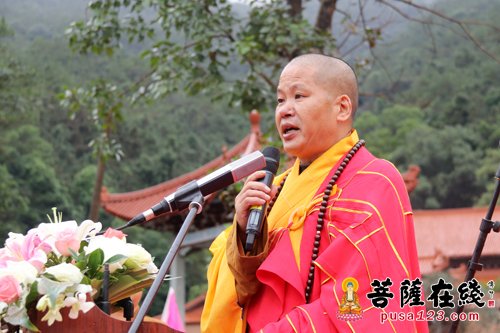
x=367 y=235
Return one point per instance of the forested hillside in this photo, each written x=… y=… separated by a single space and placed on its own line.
x=437 y=105
x=46 y=154
x=435 y=102
x=45 y=158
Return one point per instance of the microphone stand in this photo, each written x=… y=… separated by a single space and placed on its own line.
x=195 y=207
x=104 y=304
x=485 y=228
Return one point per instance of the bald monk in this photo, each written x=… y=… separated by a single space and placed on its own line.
x=338 y=213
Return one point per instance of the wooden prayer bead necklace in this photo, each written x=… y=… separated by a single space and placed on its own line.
x=322 y=210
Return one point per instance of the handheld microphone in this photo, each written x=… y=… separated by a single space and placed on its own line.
x=217 y=180
x=257 y=213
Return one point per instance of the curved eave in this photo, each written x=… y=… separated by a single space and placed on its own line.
x=128 y=204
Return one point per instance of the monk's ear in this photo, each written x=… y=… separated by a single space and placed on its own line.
x=344 y=108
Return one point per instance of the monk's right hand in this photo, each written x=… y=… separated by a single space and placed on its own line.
x=253 y=193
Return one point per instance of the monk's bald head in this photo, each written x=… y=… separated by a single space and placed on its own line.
x=335 y=74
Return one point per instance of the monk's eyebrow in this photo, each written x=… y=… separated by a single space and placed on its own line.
x=293 y=87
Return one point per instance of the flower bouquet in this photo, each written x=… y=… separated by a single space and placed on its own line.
x=61 y=265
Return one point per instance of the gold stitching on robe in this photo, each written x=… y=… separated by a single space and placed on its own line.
x=308 y=317
x=385 y=230
x=367 y=236
x=291 y=324
x=334 y=208
x=359 y=250
x=390 y=182
x=326 y=280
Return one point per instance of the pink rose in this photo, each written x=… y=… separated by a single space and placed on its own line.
x=9 y=289
x=110 y=233
x=67 y=240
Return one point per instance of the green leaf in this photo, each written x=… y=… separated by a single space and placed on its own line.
x=33 y=294
x=81 y=264
x=86 y=280
x=49 y=276
x=96 y=259
x=74 y=254
x=115 y=258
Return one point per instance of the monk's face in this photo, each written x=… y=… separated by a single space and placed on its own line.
x=306 y=113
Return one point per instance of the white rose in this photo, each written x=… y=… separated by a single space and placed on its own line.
x=65 y=273
x=139 y=258
x=110 y=247
x=22 y=271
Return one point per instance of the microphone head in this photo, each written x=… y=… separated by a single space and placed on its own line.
x=272 y=156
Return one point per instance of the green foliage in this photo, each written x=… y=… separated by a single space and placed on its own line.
x=12 y=204
x=385 y=132
x=448 y=160
x=485 y=173
x=80 y=190
x=29 y=169
x=14 y=91
x=198 y=55
x=452 y=90
x=38 y=140
x=4 y=29
x=104 y=102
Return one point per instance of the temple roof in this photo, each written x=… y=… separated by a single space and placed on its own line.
x=128 y=204
x=445 y=234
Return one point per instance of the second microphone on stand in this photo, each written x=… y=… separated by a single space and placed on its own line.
x=257 y=213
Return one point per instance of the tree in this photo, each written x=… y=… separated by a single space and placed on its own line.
x=235 y=52
x=195 y=45
x=14 y=86
x=12 y=204
x=386 y=131
x=27 y=176
x=104 y=102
